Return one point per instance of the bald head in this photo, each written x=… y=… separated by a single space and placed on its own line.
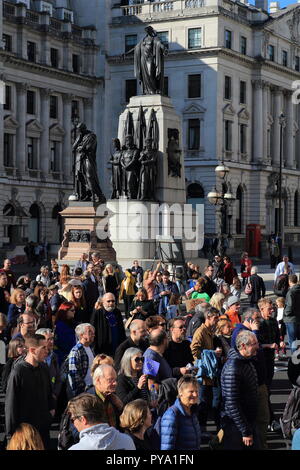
x=159 y=339
x=138 y=331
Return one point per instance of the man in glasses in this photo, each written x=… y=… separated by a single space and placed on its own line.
x=26 y=325
x=178 y=353
x=109 y=327
x=87 y=414
x=137 y=339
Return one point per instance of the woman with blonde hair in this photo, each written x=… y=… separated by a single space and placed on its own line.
x=99 y=360
x=127 y=291
x=217 y=301
x=110 y=280
x=136 y=419
x=222 y=337
x=26 y=437
x=17 y=306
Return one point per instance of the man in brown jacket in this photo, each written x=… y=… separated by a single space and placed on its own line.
x=209 y=391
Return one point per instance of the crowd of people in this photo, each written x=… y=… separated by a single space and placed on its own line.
x=138 y=359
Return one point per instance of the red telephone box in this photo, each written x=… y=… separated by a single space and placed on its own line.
x=253 y=239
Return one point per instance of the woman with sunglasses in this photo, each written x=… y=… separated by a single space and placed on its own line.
x=131 y=382
x=65 y=337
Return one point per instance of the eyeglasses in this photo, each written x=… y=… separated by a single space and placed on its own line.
x=162 y=324
x=139 y=359
x=180 y=327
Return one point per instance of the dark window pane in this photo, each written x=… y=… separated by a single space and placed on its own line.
x=166 y=86
x=75 y=109
x=7 y=42
x=54 y=57
x=75 y=63
x=227 y=88
x=31 y=51
x=194 y=86
x=130 y=89
x=228 y=38
x=194 y=38
x=31 y=154
x=54 y=156
x=7 y=104
x=297 y=63
x=130 y=42
x=164 y=37
x=8 y=150
x=271 y=50
x=243 y=92
x=194 y=134
x=284 y=58
x=243 y=45
x=243 y=148
x=30 y=102
x=53 y=107
x=228 y=145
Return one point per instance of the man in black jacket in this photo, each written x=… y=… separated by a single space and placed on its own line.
x=258 y=287
x=210 y=287
x=291 y=314
x=91 y=290
x=29 y=393
x=3 y=302
x=109 y=327
x=137 y=339
x=239 y=391
x=178 y=353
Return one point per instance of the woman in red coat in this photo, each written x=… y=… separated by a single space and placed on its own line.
x=229 y=270
x=246 y=265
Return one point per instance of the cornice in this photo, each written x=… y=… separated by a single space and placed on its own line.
x=22 y=64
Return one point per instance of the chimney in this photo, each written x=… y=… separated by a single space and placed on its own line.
x=274 y=6
x=262 y=4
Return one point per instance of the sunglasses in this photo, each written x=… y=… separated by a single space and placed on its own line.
x=139 y=359
x=180 y=327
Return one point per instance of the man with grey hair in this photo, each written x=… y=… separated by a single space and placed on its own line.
x=258 y=287
x=52 y=362
x=197 y=319
x=80 y=360
x=240 y=392
x=137 y=339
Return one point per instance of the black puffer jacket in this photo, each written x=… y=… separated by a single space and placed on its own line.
x=239 y=392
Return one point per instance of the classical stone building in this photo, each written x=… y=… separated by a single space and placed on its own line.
x=230 y=70
x=49 y=75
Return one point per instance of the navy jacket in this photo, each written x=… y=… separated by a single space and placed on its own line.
x=239 y=392
x=179 y=430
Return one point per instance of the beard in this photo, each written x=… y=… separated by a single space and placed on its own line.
x=109 y=309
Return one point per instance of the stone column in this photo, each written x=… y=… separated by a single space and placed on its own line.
x=21 y=143
x=258 y=121
x=44 y=141
x=67 y=157
x=276 y=127
x=266 y=107
x=289 y=137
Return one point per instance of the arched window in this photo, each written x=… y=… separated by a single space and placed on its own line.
x=296 y=209
x=57 y=225
x=239 y=211
x=195 y=194
x=34 y=223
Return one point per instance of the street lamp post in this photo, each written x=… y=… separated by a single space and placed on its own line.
x=282 y=125
x=221 y=199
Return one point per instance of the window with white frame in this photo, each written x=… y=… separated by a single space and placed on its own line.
x=194 y=38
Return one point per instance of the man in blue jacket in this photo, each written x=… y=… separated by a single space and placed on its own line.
x=163 y=292
x=240 y=391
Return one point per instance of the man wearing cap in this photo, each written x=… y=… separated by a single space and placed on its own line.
x=163 y=292
x=233 y=310
x=54 y=298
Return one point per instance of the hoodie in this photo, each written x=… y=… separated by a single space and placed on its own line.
x=103 y=437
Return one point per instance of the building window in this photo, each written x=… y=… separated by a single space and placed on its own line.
x=243 y=45
x=130 y=89
x=30 y=102
x=53 y=107
x=7 y=42
x=239 y=219
x=54 y=57
x=54 y=151
x=75 y=109
x=227 y=88
x=130 y=42
x=284 y=58
x=7 y=104
x=228 y=136
x=243 y=138
x=296 y=209
x=271 y=50
x=194 y=86
x=194 y=38
x=31 y=51
x=166 y=86
x=297 y=63
x=243 y=92
x=194 y=134
x=164 y=37
x=75 y=63
x=31 y=154
x=8 y=150
x=228 y=39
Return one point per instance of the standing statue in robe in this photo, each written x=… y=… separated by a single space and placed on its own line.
x=148 y=172
x=149 y=62
x=116 y=170
x=130 y=168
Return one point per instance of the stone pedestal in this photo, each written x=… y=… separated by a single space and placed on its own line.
x=80 y=236
x=169 y=189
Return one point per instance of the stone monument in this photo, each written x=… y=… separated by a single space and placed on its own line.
x=81 y=217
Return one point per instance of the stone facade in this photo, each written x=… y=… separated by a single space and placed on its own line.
x=225 y=43
x=48 y=70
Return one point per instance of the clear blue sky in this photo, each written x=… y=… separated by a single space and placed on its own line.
x=282 y=3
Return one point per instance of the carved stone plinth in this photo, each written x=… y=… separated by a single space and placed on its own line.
x=80 y=235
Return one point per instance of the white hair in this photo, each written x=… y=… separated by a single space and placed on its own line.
x=244 y=337
x=254 y=270
x=43 y=331
x=80 y=329
x=99 y=371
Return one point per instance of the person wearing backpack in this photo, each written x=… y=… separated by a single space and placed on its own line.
x=197 y=319
x=179 y=428
x=258 y=287
x=281 y=285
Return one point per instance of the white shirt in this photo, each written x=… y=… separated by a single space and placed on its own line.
x=88 y=378
x=280 y=269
